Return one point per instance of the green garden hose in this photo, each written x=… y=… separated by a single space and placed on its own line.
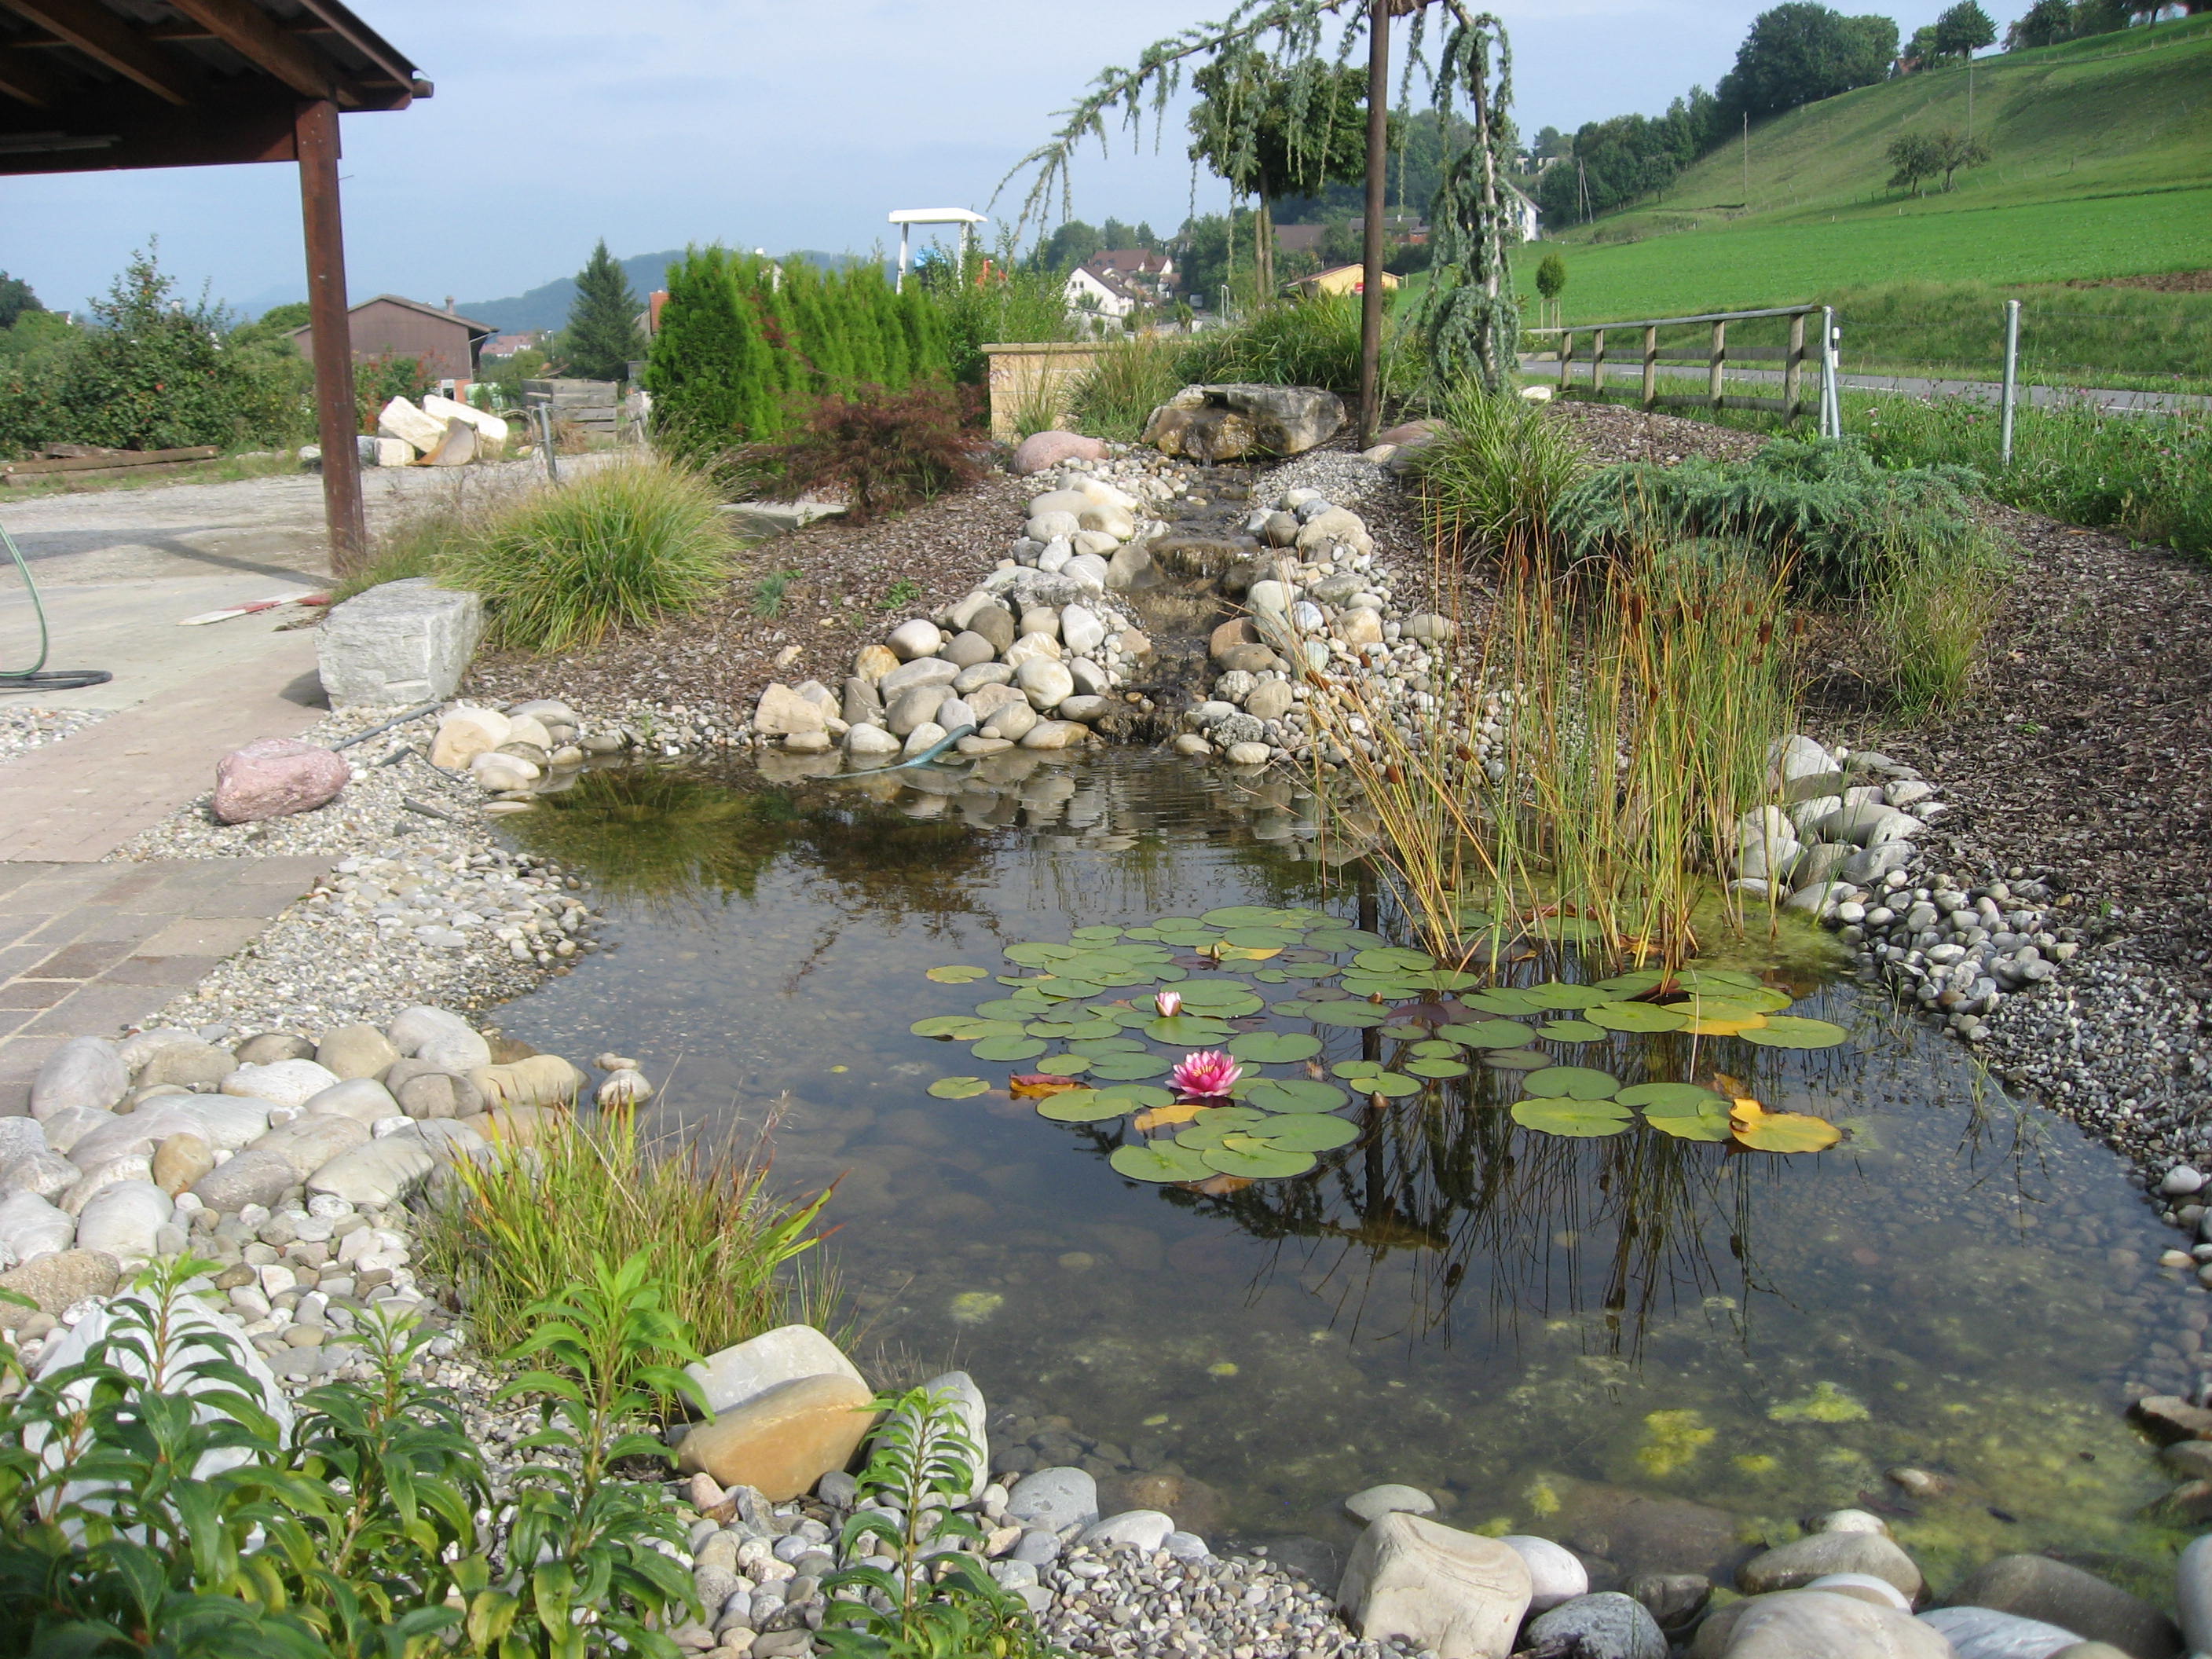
x=38 y=677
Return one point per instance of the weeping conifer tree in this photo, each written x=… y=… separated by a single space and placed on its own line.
x=1466 y=316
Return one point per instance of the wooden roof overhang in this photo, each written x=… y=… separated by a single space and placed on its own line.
x=93 y=85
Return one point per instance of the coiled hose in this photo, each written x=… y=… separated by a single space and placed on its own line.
x=38 y=677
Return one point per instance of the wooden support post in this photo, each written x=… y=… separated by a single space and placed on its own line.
x=1597 y=361
x=1717 y=363
x=1371 y=237
x=1566 y=358
x=1650 y=367
x=317 y=129
x=1793 y=373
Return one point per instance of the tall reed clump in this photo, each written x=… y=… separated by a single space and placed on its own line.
x=1305 y=342
x=1586 y=772
x=1930 y=607
x=1126 y=382
x=619 y=547
x=1491 y=477
x=726 y=1254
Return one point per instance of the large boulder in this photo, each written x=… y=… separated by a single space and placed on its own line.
x=1985 y=1633
x=782 y=1442
x=276 y=777
x=282 y=1083
x=400 y=642
x=123 y=1220
x=83 y=1072
x=1606 y=1626
x=382 y=1171
x=2037 y=1587
x=539 y=1080
x=782 y=713
x=1815 y=1625
x=57 y=1280
x=251 y=1176
x=1456 y=1593
x=1792 y=1565
x=355 y=1051
x=746 y=1371
x=1209 y=423
x=1041 y=450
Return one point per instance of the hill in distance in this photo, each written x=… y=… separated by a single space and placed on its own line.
x=2101 y=167
x=547 y=305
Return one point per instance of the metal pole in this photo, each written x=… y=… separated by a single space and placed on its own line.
x=542 y=418
x=906 y=244
x=315 y=131
x=2011 y=380
x=1370 y=232
x=1830 y=403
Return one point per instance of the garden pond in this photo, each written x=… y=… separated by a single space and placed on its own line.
x=1639 y=1337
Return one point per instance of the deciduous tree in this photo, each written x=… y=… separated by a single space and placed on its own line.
x=1801 y=51
x=1964 y=29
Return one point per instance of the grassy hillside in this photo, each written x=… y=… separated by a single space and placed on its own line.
x=2102 y=167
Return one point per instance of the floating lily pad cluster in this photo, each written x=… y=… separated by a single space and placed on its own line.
x=1100 y=1022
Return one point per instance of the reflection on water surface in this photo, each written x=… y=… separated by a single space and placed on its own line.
x=1547 y=1333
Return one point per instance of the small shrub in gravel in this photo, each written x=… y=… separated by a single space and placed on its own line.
x=883 y=451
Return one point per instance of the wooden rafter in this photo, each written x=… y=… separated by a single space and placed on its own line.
x=102 y=36
x=26 y=80
x=253 y=35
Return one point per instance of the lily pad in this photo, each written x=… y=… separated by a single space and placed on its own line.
x=1342 y=939
x=1348 y=1013
x=1436 y=1067
x=1098 y=934
x=1432 y=1048
x=1097 y=1048
x=1295 y=1094
x=1161 y=1162
x=1242 y=916
x=1395 y=958
x=1004 y=1048
x=1635 y=1017
x=945 y=1025
x=1582 y=1119
x=1256 y=1160
x=1129 y=1068
x=1633 y=984
x=1782 y=1132
x=1796 y=1031
x=1140 y=1096
x=1013 y=1007
x=1318 y=1134
x=1064 y=1065
x=1685 y=1124
x=1670 y=1097
x=1081 y=1106
x=1574 y=1030
x=1349 y=1069
x=1192 y=1031
x=1399 y=1031
x=1503 y=1000
x=1037 y=954
x=1559 y=995
x=1391 y=1085
x=958 y=1088
x=1273 y=1048
x=1516 y=1060
x=1308 y=970
x=1214 y=1125
x=1488 y=1034
x=959 y=974
x=1572 y=1083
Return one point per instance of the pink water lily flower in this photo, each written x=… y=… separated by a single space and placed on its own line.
x=1209 y=1075
x=1170 y=1003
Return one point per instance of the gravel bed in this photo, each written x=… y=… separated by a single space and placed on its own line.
x=22 y=730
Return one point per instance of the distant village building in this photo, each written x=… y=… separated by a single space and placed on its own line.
x=1523 y=214
x=391 y=326
x=1096 y=290
x=1141 y=268
x=1342 y=279
x=506 y=345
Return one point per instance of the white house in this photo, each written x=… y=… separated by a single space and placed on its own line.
x=1523 y=213
x=1095 y=290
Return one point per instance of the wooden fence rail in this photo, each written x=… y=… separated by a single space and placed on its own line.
x=1716 y=357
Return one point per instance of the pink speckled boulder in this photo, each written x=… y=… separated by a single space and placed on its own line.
x=1043 y=449
x=275 y=777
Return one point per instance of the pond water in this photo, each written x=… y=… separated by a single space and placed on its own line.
x=1649 y=1348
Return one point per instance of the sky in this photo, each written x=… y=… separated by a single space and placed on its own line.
x=656 y=123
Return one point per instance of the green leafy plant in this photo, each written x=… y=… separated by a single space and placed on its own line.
x=1492 y=477
x=899 y=595
x=933 y=1600
x=725 y=1251
x=769 y=592
x=619 y=547
x=1824 y=509
x=609 y=1356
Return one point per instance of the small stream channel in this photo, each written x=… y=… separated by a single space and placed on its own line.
x=1636 y=1345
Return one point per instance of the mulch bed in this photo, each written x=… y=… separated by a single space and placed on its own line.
x=720 y=657
x=2085 y=752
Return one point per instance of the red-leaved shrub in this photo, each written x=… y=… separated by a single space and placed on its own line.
x=885 y=451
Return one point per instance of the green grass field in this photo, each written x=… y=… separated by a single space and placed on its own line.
x=2102 y=168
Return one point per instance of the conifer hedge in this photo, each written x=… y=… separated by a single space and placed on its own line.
x=746 y=347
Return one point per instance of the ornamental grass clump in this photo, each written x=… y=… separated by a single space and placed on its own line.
x=1126 y=382
x=619 y=547
x=1491 y=477
x=724 y=1252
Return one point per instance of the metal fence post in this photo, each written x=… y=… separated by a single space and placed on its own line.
x=2011 y=380
x=1830 y=409
x=1793 y=371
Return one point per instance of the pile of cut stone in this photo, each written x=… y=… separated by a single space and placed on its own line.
x=1845 y=846
x=288 y=1161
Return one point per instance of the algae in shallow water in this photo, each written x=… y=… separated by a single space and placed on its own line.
x=1826 y=1404
x=1672 y=1441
